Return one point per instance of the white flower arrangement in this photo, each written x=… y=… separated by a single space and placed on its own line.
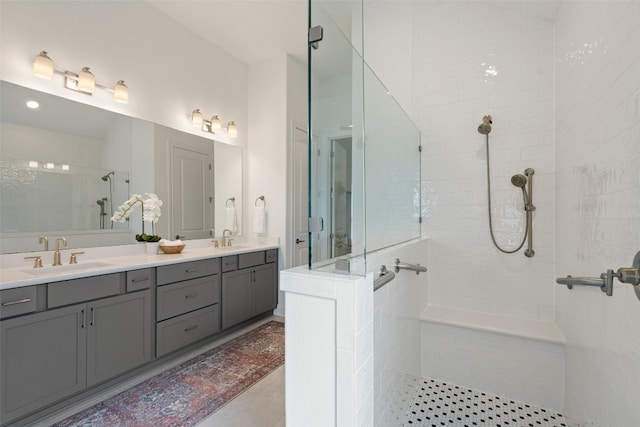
x=151 y=212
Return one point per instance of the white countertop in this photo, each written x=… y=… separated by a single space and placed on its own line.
x=16 y=272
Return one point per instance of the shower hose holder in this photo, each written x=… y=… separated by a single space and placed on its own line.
x=630 y=275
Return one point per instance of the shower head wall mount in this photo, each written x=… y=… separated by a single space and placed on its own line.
x=485 y=126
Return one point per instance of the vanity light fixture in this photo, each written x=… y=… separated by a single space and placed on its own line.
x=196 y=118
x=216 y=123
x=84 y=81
x=212 y=126
x=232 y=129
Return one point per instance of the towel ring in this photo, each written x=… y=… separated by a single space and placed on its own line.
x=263 y=201
x=232 y=200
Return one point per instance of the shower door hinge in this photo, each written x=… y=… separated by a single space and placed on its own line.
x=420 y=220
x=315 y=35
x=343 y=266
x=420 y=148
x=316 y=225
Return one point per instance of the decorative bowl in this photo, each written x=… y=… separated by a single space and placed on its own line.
x=172 y=249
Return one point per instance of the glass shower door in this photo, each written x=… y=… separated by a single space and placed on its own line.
x=336 y=146
x=364 y=150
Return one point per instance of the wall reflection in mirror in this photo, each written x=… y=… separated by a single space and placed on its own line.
x=66 y=166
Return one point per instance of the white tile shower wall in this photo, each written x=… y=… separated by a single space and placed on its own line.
x=330 y=346
x=597 y=60
x=396 y=330
x=472 y=59
x=519 y=368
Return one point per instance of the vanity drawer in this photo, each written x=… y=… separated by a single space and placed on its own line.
x=187 y=270
x=175 y=333
x=229 y=263
x=85 y=289
x=183 y=297
x=14 y=302
x=272 y=255
x=251 y=259
x=139 y=279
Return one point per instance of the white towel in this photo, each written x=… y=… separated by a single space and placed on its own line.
x=259 y=222
x=231 y=219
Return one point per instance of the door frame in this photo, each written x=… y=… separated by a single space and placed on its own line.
x=291 y=232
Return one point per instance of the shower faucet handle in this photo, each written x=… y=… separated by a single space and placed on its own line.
x=629 y=275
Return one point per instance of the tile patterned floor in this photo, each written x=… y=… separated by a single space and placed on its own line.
x=438 y=404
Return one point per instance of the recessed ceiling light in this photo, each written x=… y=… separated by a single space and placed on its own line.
x=33 y=104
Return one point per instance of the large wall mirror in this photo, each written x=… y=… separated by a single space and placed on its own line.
x=66 y=166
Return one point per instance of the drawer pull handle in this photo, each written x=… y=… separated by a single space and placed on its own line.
x=191 y=270
x=93 y=316
x=20 y=301
x=190 y=328
x=191 y=295
x=229 y=263
x=84 y=318
x=139 y=279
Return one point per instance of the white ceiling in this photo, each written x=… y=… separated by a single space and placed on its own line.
x=250 y=30
x=256 y=30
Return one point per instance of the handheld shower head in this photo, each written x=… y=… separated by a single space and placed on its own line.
x=106 y=177
x=485 y=127
x=519 y=180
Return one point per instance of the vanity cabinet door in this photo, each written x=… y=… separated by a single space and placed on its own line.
x=264 y=285
x=118 y=335
x=247 y=293
x=42 y=358
x=237 y=297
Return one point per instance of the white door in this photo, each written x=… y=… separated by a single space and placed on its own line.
x=191 y=194
x=300 y=187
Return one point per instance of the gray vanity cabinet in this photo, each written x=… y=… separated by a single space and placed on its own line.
x=249 y=286
x=52 y=354
x=43 y=358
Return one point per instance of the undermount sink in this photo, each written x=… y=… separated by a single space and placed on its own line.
x=65 y=268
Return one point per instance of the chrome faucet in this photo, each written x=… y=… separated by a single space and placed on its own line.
x=56 y=254
x=226 y=241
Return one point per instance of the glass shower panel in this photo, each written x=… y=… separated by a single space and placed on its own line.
x=364 y=157
x=392 y=168
x=336 y=148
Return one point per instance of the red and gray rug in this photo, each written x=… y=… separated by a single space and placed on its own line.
x=188 y=393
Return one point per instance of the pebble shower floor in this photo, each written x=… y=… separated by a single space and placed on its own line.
x=438 y=404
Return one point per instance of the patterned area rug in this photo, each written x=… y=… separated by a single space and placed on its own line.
x=188 y=393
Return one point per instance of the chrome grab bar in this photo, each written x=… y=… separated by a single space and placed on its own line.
x=384 y=277
x=406 y=266
x=629 y=275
